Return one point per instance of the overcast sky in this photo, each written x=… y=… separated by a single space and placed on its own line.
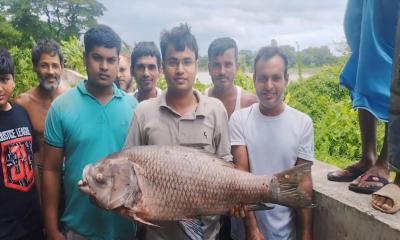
x=252 y=23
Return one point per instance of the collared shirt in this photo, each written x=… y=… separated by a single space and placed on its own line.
x=158 y=91
x=88 y=131
x=155 y=123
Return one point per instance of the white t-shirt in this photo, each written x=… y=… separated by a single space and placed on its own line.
x=273 y=145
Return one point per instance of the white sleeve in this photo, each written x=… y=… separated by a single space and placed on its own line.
x=306 y=144
x=236 y=128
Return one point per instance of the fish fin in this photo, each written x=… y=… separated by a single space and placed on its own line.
x=192 y=228
x=138 y=219
x=293 y=187
x=259 y=207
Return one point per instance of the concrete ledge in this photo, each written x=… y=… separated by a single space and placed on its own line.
x=342 y=214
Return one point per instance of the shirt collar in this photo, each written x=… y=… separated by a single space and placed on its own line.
x=200 y=109
x=116 y=91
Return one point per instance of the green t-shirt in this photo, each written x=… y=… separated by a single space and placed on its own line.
x=89 y=131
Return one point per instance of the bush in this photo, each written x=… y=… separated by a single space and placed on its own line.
x=25 y=78
x=336 y=129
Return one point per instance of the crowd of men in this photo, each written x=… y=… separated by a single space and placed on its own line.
x=49 y=134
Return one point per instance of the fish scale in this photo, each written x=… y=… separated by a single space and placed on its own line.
x=176 y=182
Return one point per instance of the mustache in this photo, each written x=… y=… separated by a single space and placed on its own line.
x=45 y=78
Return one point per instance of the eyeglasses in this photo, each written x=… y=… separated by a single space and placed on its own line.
x=174 y=63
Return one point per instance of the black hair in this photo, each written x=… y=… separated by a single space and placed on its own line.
x=220 y=45
x=180 y=37
x=101 y=35
x=48 y=46
x=145 y=49
x=267 y=53
x=6 y=62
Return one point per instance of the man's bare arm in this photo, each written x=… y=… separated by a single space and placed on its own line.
x=50 y=186
x=304 y=215
x=241 y=160
x=37 y=174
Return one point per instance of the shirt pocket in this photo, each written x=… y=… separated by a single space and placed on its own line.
x=195 y=134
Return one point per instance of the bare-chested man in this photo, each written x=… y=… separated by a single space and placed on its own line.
x=48 y=63
x=223 y=66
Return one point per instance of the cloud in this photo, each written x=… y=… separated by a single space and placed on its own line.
x=251 y=23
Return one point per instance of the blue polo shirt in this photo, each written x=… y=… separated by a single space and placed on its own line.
x=87 y=130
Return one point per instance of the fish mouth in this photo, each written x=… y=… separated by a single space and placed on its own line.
x=83 y=184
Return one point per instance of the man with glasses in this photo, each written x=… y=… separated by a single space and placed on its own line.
x=181 y=116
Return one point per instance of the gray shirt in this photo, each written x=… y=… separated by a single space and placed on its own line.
x=155 y=123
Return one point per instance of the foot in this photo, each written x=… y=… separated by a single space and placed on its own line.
x=382 y=202
x=372 y=180
x=376 y=171
x=385 y=203
x=349 y=173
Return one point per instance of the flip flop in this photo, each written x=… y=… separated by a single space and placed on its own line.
x=391 y=191
x=370 y=189
x=354 y=172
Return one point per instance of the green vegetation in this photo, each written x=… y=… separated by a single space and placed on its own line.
x=23 y=21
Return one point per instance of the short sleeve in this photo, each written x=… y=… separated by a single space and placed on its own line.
x=134 y=136
x=236 y=129
x=223 y=148
x=306 y=144
x=53 y=131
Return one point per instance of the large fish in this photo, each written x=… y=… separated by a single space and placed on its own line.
x=174 y=183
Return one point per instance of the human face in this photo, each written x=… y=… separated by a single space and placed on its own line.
x=223 y=69
x=270 y=83
x=146 y=73
x=7 y=86
x=102 y=66
x=48 y=71
x=180 y=69
x=124 y=80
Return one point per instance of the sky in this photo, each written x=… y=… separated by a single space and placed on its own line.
x=252 y=23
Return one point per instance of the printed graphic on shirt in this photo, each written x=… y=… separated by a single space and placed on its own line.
x=16 y=158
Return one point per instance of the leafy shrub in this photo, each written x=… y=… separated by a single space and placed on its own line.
x=25 y=78
x=336 y=129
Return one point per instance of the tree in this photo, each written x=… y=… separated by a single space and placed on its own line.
x=246 y=60
x=9 y=36
x=57 y=19
x=290 y=53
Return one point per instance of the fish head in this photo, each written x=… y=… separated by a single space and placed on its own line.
x=111 y=183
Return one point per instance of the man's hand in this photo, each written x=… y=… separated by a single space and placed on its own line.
x=238 y=211
x=254 y=234
x=56 y=236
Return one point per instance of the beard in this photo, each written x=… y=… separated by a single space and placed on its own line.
x=44 y=83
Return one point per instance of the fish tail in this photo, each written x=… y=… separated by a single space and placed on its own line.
x=293 y=187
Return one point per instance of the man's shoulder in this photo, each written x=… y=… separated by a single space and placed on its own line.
x=248 y=98
x=212 y=102
x=242 y=113
x=25 y=98
x=18 y=109
x=146 y=106
x=298 y=114
x=67 y=98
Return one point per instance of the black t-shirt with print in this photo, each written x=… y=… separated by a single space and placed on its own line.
x=19 y=204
